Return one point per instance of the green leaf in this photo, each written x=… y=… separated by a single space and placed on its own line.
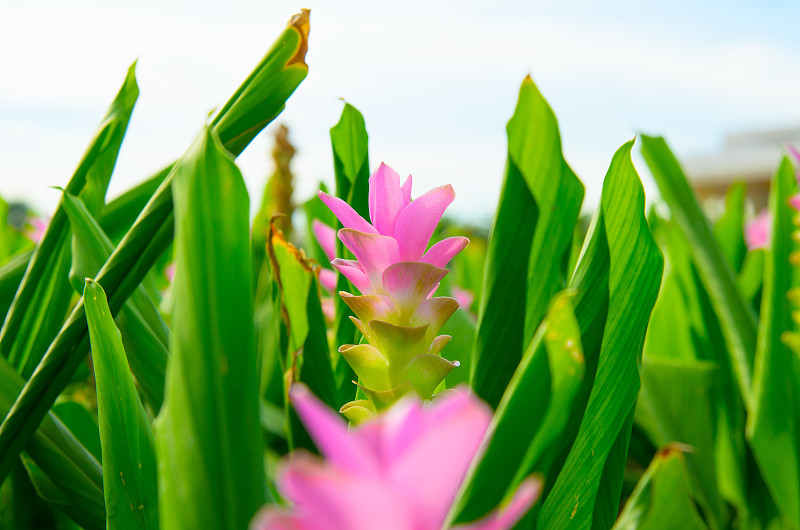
x=144 y=333
x=685 y=327
x=531 y=416
x=349 y=141
x=662 y=499
x=60 y=458
x=680 y=399
x=41 y=303
x=262 y=94
x=538 y=209
x=10 y=277
x=119 y=215
x=620 y=245
x=772 y=423
x=81 y=423
x=129 y=463
x=350 y=158
x=735 y=314
x=308 y=357
x=208 y=433
x=729 y=229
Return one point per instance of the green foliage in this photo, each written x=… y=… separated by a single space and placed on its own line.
x=737 y=319
x=129 y=462
x=643 y=397
x=617 y=280
x=208 y=433
x=538 y=209
x=240 y=119
x=773 y=427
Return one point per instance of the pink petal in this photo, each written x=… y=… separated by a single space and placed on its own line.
x=757 y=231
x=406 y=189
x=416 y=223
x=464 y=297
x=442 y=252
x=346 y=215
x=408 y=284
x=374 y=252
x=505 y=518
x=447 y=442
x=274 y=518
x=795 y=202
x=353 y=272
x=328 y=279
x=328 y=308
x=385 y=199
x=327 y=498
x=326 y=237
x=329 y=432
x=795 y=153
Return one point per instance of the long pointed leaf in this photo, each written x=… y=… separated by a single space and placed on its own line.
x=150 y=235
x=634 y=269
x=735 y=314
x=538 y=208
x=42 y=300
x=129 y=462
x=772 y=425
x=208 y=432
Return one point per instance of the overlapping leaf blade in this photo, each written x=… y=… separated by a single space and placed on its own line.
x=208 y=434
x=349 y=141
x=773 y=424
x=144 y=333
x=662 y=498
x=531 y=415
x=59 y=457
x=634 y=265
x=151 y=234
x=129 y=462
x=735 y=314
x=43 y=296
x=538 y=209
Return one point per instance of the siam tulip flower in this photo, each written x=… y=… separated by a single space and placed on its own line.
x=795 y=201
x=326 y=237
x=399 y=471
x=464 y=297
x=396 y=311
x=35 y=228
x=757 y=232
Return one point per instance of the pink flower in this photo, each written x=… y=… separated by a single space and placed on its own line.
x=396 y=312
x=464 y=297
x=326 y=237
x=399 y=471
x=757 y=232
x=35 y=228
x=400 y=231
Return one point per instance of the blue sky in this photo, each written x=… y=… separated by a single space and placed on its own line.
x=436 y=82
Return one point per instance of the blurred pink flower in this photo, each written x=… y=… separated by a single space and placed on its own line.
x=757 y=232
x=464 y=297
x=326 y=237
x=399 y=471
x=35 y=228
x=400 y=231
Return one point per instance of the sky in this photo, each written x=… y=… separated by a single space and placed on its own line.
x=436 y=82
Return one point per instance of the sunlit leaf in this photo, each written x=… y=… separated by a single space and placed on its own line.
x=129 y=463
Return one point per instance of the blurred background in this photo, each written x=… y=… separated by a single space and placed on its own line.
x=436 y=83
